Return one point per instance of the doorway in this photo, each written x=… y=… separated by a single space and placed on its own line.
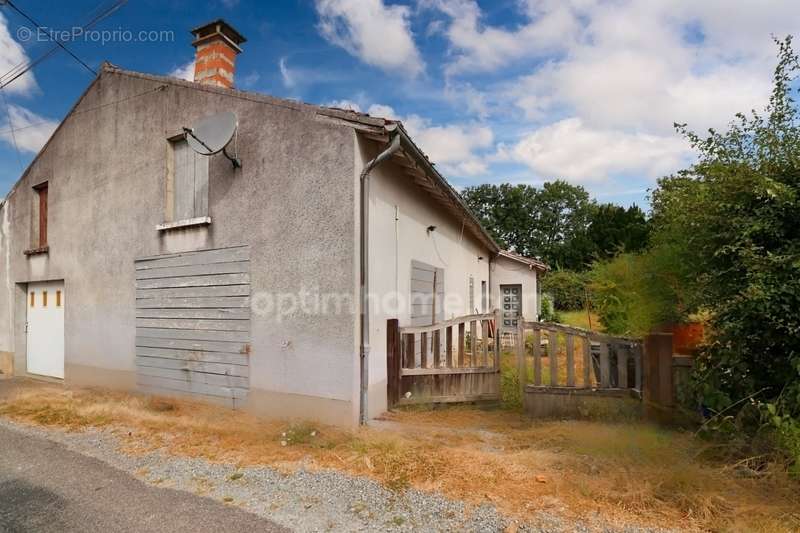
x=45 y=328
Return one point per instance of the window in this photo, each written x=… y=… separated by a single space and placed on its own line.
x=41 y=192
x=189 y=183
x=33 y=298
x=44 y=298
x=427 y=294
x=58 y=298
x=484 y=297
x=472 y=295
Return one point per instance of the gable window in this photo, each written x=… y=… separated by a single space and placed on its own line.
x=187 y=187
x=39 y=220
x=41 y=192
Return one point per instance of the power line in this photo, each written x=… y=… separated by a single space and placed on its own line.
x=11 y=126
x=23 y=67
x=58 y=43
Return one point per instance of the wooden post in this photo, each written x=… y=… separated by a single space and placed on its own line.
x=437 y=356
x=570 y=360
x=622 y=365
x=409 y=350
x=485 y=343
x=448 y=339
x=605 y=366
x=393 y=363
x=537 y=357
x=473 y=343
x=552 y=356
x=522 y=370
x=587 y=362
x=658 y=368
x=423 y=350
x=461 y=345
x=497 y=342
x=638 y=360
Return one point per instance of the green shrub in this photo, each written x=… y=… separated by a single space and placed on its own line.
x=568 y=289
x=548 y=313
x=630 y=296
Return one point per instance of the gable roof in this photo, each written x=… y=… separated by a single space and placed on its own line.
x=409 y=157
x=532 y=263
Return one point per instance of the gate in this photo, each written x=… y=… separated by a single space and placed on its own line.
x=455 y=360
x=592 y=369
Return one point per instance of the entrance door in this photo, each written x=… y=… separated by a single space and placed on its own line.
x=45 y=303
x=512 y=304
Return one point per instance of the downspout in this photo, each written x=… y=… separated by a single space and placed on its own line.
x=394 y=145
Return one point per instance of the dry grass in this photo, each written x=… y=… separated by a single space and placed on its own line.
x=627 y=473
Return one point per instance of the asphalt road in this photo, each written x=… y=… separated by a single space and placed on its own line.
x=44 y=487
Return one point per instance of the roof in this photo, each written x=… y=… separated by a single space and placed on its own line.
x=409 y=157
x=533 y=263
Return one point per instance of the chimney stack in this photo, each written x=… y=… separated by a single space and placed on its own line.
x=216 y=47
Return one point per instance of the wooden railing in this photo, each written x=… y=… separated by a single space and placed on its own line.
x=455 y=360
x=603 y=361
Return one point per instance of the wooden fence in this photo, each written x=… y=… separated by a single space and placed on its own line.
x=601 y=362
x=456 y=360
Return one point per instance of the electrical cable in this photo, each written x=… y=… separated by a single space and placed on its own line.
x=22 y=68
x=56 y=41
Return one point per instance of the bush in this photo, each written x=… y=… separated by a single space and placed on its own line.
x=548 y=312
x=567 y=288
x=629 y=295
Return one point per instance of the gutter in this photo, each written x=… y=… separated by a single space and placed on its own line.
x=394 y=145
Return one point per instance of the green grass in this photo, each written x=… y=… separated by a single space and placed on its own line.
x=580 y=319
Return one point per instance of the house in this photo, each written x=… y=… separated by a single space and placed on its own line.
x=515 y=287
x=129 y=261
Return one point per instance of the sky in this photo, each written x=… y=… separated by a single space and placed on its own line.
x=518 y=91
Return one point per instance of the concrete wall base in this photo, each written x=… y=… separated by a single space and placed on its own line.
x=287 y=406
x=262 y=403
x=92 y=376
x=6 y=365
x=567 y=402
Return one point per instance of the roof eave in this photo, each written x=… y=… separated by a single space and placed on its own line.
x=452 y=195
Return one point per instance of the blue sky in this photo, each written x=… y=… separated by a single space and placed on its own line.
x=523 y=91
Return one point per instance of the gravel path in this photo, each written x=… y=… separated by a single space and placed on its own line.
x=306 y=500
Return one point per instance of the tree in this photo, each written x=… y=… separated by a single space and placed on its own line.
x=731 y=224
x=558 y=223
x=550 y=222
x=614 y=228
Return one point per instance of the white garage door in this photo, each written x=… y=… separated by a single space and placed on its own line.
x=46 y=328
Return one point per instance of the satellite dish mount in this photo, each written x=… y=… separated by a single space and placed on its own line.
x=212 y=135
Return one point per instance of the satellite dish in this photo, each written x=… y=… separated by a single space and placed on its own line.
x=212 y=134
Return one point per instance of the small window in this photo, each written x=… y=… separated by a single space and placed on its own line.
x=472 y=294
x=58 y=298
x=44 y=298
x=33 y=298
x=484 y=297
x=41 y=192
x=189 y=183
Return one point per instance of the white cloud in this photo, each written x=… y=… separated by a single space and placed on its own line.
x=12 y=55
x=31 y=131
x=377 y=34
x=344 y=104
x=287 y=75
x=571 y=150
x=184 y=72
x=456 y=149
x=382 y=111
x=551 y=25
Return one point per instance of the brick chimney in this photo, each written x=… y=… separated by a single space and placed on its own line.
x=216 y=47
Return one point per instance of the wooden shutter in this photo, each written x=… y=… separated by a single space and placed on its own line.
x=190 y=182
